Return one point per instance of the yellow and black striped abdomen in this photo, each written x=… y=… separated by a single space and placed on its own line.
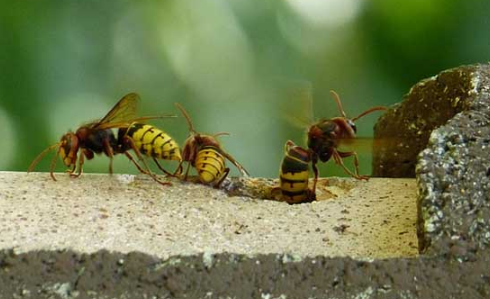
x=154 y=142
x=294 y=180
x=210 y=164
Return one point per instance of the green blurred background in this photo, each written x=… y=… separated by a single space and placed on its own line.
x=236 y=65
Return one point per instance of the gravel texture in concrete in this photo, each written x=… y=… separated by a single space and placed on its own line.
x=67 y=275
x=124 y=213
x=453 y=174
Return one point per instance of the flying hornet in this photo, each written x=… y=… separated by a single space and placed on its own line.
x=98 y=138
x=206 y=154
x=326 y=135
x=294 y=174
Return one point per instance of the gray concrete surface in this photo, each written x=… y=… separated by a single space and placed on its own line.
x=124 y=213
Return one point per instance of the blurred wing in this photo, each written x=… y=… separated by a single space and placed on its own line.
x=128 y=122
x=123 y=112
x=306 y=103
x=297 y=110
x=366 y=144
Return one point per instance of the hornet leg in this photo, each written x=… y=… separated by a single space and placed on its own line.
x=53 y=164
x=187 y=171
x=128 y=155
x=225 y=174
x=161 y=168
x=109 y=152
x=81 y=160
x=338 y=157
x=147 y=170
x=315 y=179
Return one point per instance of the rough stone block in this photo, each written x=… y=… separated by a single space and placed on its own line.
x=404 y=130
x=453 y=174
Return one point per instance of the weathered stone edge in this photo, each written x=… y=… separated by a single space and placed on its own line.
x=403 y=131
x=453 y=201
x=66 y=274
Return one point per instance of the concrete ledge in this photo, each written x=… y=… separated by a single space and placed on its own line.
x=125 y=213
x=125 y=236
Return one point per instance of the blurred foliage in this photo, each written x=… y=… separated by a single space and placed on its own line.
x=235 y=65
